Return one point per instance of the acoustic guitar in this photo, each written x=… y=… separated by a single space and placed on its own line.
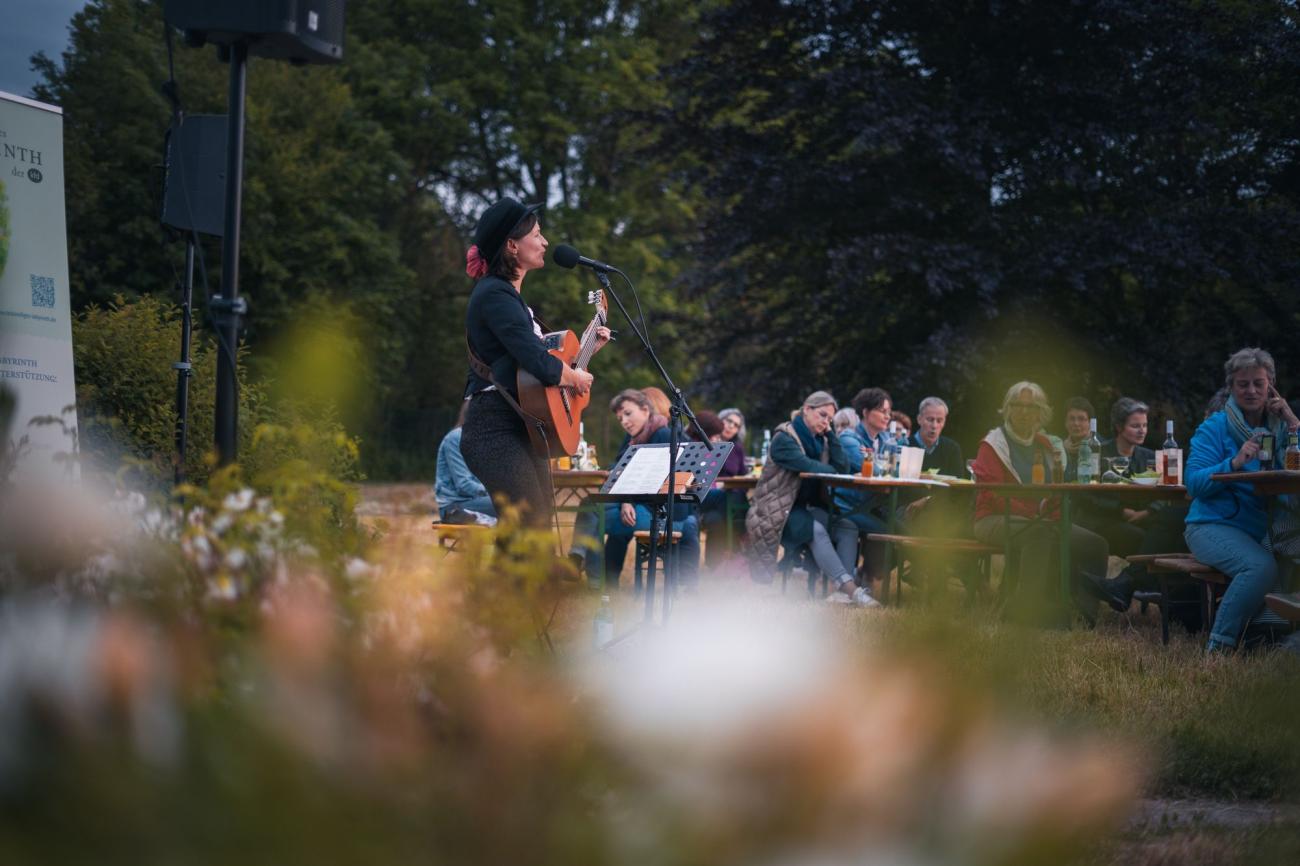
x=560 y=409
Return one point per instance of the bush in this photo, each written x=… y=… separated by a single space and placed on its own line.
x=126 y=396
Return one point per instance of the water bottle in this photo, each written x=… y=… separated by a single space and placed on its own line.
x=767 y=447
x=603 y=624
x=1084 y=475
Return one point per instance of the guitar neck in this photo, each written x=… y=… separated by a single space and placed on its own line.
x=587 y=347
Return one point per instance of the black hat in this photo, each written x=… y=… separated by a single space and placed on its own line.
x=496 y=224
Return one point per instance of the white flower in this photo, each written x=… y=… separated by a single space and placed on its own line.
x=223 y=588
x=236 y=558
x=196 y=515
x=357 y=568
x=238 y=501
x=223 y=522
x=152 y=521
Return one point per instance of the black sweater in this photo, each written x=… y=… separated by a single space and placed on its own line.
x=500 y=331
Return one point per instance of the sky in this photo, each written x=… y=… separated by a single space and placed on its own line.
x=30 y=26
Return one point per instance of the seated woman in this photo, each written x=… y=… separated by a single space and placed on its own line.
x=461 y=496
x=1122 y=527
x=713 y=510
x=795 y=512
x=643 y=426
x=659 y=402
x=861 y=512
x=1008 y=455
x=1228 y=522
x=844 y=419
x=733 y=428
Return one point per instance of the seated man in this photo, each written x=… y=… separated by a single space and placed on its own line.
x=643 y=426
x=1078 y=418
x=461 y=496
x=941 y=454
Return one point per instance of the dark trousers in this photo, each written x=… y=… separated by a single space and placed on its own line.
x=496 y=449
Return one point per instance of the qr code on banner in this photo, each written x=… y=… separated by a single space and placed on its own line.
x=42 y=291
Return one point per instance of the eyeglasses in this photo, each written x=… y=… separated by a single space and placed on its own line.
x=1022 y=405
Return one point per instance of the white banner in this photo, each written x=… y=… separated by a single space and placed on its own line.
x=35 y=316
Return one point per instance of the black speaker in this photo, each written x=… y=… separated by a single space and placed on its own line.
x=194 y=194
x=301 y=31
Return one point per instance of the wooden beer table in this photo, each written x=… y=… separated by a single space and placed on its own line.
x=1065 y=492
x=881 y=483
x=743 y=483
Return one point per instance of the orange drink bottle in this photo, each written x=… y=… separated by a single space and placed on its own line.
x=868 y=463
x=1039 y=472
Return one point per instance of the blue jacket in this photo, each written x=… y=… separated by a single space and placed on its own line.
x=854 y=441
x=1232 y=504
x=454 y=483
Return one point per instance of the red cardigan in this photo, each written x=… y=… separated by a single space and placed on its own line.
x=992 y=467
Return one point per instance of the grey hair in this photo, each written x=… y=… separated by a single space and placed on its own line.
x=739 y=416
x=1248 y=359
x=844 y=419
x=930 y=403
x=1123 y=408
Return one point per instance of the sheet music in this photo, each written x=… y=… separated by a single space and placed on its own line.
x=646 y=472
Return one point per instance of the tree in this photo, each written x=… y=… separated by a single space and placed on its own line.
x=948 y=197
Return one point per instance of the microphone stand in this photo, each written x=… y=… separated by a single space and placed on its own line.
x=678 y=409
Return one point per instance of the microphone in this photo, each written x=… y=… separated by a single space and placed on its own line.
x=566 y=257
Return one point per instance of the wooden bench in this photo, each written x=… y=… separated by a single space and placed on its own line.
x=451 y=535
x=1284 y=604
x=939 y=545
x=1161 y=597
x=642 y=539
x=1212 y=581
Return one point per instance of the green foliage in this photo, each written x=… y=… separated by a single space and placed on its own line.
x=363 y=180
x=126 y=391
x=1208 y=727
x=947 y=198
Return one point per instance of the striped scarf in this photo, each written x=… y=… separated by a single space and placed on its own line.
x=1240 y=430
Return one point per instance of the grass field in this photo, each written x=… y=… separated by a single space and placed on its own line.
x=1215 y=737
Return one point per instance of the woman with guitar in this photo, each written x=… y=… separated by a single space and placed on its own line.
x=505 y=340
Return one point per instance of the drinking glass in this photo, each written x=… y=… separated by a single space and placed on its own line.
x=1119 y=464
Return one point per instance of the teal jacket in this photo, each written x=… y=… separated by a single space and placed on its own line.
x=789 y=454
x=1232 y=504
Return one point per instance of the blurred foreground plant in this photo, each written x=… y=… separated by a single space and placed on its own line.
x=402 y=711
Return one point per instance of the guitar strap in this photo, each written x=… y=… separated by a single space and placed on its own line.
x=483 y=371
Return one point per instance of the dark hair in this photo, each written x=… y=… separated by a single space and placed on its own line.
x=1082 y=404
x=1124 y=407
x=710 y=421
x=902 y=418
x=632 y=394
x=870 y=398
x=460 y=416
x=505 y=264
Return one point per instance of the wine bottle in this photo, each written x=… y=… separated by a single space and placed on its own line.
x=1173 y=456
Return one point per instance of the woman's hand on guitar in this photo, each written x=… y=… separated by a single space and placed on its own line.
x=603 y=336
x=578 y=380
x=627 y=513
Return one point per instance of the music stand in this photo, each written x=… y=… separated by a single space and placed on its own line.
x=703 y=460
